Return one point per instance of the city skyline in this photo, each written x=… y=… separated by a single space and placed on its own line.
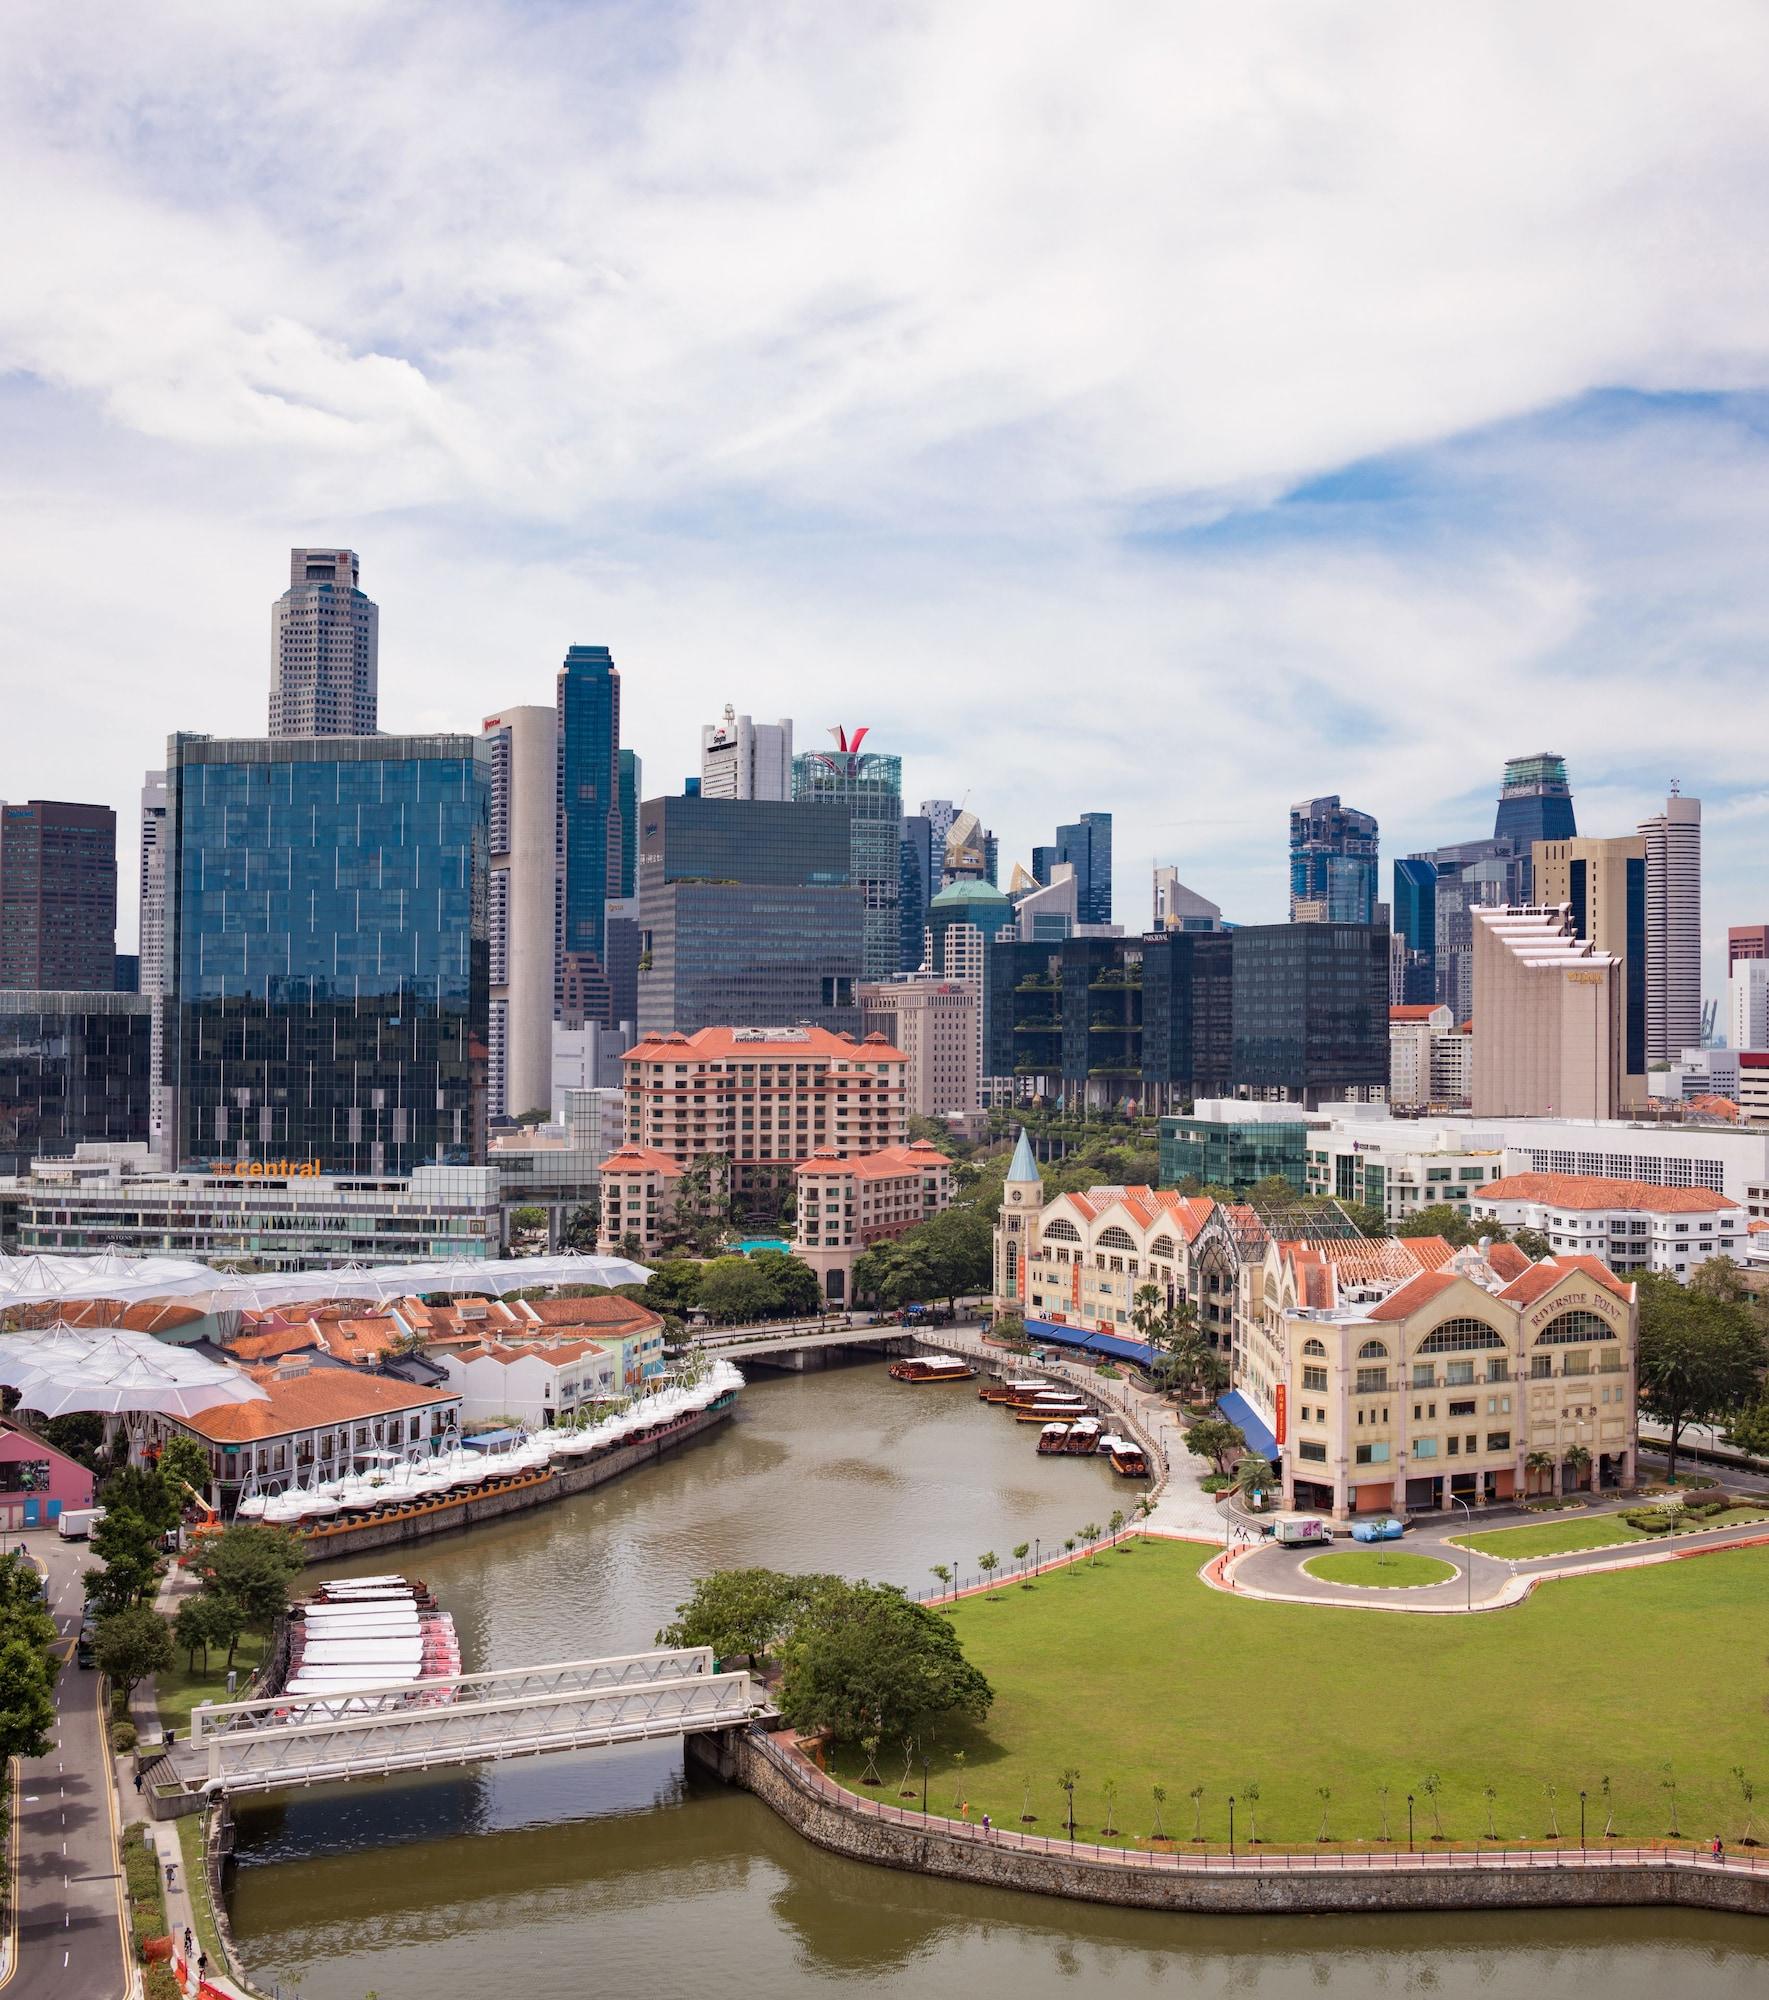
x=1372 y=511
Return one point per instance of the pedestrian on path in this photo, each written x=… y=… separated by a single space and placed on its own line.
x=1719 y=1848
x=988 y=1826
x=202 y=1966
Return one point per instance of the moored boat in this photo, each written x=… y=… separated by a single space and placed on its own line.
x=932 y=1368
x=1129 y=1460
x=1049 y=1409
x=1083 y=1439
x=1010 y=1391
x=1053 y=1438
x=1020 y=1394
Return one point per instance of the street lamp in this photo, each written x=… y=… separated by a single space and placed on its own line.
x=1231 y=1826
x=1035 y=1548
x=1409 y=1822
x=1468 y=1554
x=924 y=1769
x=955 y=1579
x=1581 y=1822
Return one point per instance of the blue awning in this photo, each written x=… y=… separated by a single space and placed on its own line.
x=1058 y=1333
x=1251 y=1425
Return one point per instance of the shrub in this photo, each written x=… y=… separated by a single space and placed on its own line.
x=123 y=1738
x=1651 y=1524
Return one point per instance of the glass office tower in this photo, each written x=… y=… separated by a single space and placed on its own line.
x=631 y=783
x=870 y=787
x=1332 y=863
x=589 y=827
x=327 y=967
x=1535 y=801
x=74 y=1069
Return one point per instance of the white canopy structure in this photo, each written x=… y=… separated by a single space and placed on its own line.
x=63 y=1369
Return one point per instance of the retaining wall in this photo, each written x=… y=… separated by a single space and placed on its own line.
x=1310 y=1884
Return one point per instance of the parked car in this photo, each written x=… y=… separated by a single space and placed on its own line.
x=83 y=1645
x=1385 y=1528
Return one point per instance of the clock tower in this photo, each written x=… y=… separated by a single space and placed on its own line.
x=1016 y=1233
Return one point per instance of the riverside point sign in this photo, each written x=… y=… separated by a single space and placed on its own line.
x=268 y=1170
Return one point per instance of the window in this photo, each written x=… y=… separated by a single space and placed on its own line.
x=1115 y=1239
x=1541 y=1366
x=1315 y=1379
x=1573 y=1328
x=1312 y=1450
x=1498 y=1371
x=1458 y=1374
x=1424 y=1375
x=1460 y=1336
x=1059 y=1231
x=1455 y=1446
x=1314 y=1347
x=1462 y=1409
x=1576 y=1361
x=1372 y=1381
x=1372 y=1350
x=1424 y=1447
x=1372 y=1454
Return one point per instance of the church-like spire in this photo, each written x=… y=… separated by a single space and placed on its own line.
x=1023 y=1167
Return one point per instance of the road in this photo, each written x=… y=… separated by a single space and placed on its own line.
x=70 y=1940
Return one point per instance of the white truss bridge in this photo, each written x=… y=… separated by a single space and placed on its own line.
x=374 y=1730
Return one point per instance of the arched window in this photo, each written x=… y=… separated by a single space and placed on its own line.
x=1372 y=1350
x=1460 y=1336
x=1314 y=1347
x=1060 y=1231
x=1115 y=1239
x=1574 y=1329
x=1161 y=1247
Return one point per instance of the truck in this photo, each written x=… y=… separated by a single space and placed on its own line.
x=77 y=1523
x=1296 y=1530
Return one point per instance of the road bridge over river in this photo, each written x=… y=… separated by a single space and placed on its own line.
x=270 y=1743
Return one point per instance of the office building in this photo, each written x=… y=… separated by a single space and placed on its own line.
x=1630 y=1226
x=1745 y=941
x=1673 y=928
x=1178 y=908
x=1086 y=846
x=1332 y=863
x=762 y=1098
x=1547 y=1018
x=325 y=639
x=869 y=787
x=58 y=896
x=631 y=780
x=1231 y=1143
x=1410 y=1033
x=522 y=908
x=935 y=1023
x=1747 y=994
x=741 y=759
x=918 y=882
x=1706 y=1080
x=152 y=935
x=1535 y=804
x=963 y=922
x=747 y=912
x=1402 y=1166
x=1465 y=877
x=326 y=944
x=1414 y=931
x=588 y=830
x=620 y=949
x=75 y=1069
x=844 y=1207
x=1603 y=883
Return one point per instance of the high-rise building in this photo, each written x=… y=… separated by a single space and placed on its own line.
x=747 y=914
x=1745 y=941
x=1747 y=1025
x=1603 y=883
x=58 y=896
x=870 y=787
x=587 y=711
x=963 y=921
x=524 y=747
x=325 y=641
x=742 y=759
x=1471 y=875
x=326 y=951
x=153 y=937
x=935 y=1024
x=1086 y=846
x=918 y=881
x=632 y=784
x=1673 y=928
x=1415 y=930
x=74 y=1070
x=1547 y=1018
x=1535 y=802
x=1178 y=908
x=1332 y=863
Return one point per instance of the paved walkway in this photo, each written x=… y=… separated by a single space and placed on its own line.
x=67 y=1888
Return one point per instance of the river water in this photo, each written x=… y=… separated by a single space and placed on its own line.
x=615 y=1873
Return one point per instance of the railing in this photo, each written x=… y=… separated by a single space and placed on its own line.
x=1217 y=1858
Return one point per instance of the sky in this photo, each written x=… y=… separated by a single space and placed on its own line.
x=1175 y=410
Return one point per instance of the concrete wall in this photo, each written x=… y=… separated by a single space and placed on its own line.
x=1303 y=1889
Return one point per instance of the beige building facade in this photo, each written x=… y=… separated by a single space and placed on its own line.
x=844 y=1207
x=934 y=1023
x=1547 y=1017
x=520 y=917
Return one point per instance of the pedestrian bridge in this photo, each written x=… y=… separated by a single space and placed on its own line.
x=375 y=1730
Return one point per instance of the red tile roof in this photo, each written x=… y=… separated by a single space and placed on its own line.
x=1416 y=1292
x=642 y=1159
x=1590 y=1192
x=888 y=1163
x=1716 y=1107
x=727 y=1044
x=308 y=1402
x=272 y=1343
x=1507 y=1260
x=1433 y=1252
x=608 y=1313
x=1412 y=1012
x=1541 y=1278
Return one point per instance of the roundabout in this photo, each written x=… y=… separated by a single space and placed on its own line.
x=1379 y=1569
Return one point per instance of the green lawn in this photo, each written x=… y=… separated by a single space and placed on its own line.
x=1379 y=1569
x=196 y=1877
x=1130 y=1670
x=179 y=1692
x=1564 y=1537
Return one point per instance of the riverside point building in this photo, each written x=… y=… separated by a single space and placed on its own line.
x=1445 y=1389
x=1547 y=1017
x=762 y=1098
x=845 y=1206
x=1631 y=1225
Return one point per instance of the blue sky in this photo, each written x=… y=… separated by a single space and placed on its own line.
x=1171 y=410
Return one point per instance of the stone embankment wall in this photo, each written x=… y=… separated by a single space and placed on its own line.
x=907 y=1843
x=441 y=1517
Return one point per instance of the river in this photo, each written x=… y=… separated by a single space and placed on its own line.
x=615 y=1873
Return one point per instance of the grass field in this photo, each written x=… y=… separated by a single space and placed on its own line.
x=179 y=1692
x=1558 y=1538
x=1379 y=1569
x=1130 y=1670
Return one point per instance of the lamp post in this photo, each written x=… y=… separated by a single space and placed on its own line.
x=1409 y=1822
x=1468 y=1564
x=1581 y=1822
x=924 y=1769
x=955 y=1579
x=1035 y=1548
x=1231 y=1826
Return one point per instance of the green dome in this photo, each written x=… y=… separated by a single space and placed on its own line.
x=974 y=894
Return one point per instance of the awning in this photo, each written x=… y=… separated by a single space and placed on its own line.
x=1251 y=1425
x=1058 y=1333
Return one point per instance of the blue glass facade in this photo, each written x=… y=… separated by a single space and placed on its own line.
x=1332 y=862
x=589 y=825
x=74 y=1069
x=632 y=777
x=327 y=964
x=869 y=787
x=1087 y=847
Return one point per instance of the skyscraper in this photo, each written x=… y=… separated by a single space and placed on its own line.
x=1673 y=928
x=918 y=882
x=1603 y=883
x=524 y=760
x=1745 y=941
x=632 y=783
x=1547 y=1018
x=587 y=708
x=58 y=897
x=1535 y=801
x=1332 y=863
x=152 y=936
x=870 y=787
x=325 y=639
x=1086 y=846
x=1415 y=929
x=326 y=951
x=743 y=759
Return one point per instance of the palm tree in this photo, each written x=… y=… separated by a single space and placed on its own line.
x=1067 y=1783
x=1579 y=1459
x=1115 y=1521
x=1539 y=1462
x=1196 y=1795
x=1254 y=1475
x=1159 y=1793
x=1069 y=1545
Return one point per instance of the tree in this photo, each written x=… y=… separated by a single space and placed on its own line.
x=27 y=1703
x=1441 y=1218
x=1254 y=1476
x=1020 y=1552
x=943 y=1573
x=210 y=1618
x=1010 y=1329
x=130 y=1550
x=1532 y=1243
x=1749 y=1430
x=1216 y=1439
x=958 y=1245
x=1701 y=1357
x=863 y=1658
x=733 y=1291
x=1539 y=1461
x=701 y=1210
x=989 y=1562
x=80 y=1435
x=132 y=1644
x=1090 y=1534
x=254 y=1566
x=792 y=1284
x=739 y=1611
x=673 y=1286
x=528 y=1218
x=1719 y=1278
x=139 y=1489
x=1365 y=1218
x=183 y=1467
